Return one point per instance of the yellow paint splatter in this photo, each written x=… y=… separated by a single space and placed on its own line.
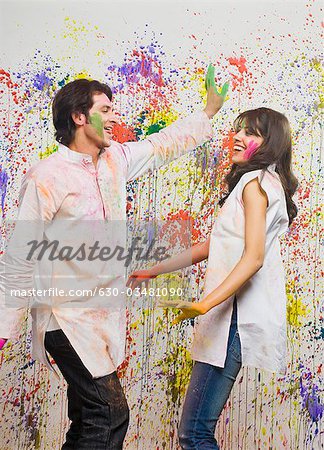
x=178 y=379
x=317 y=65
x=296 y=310
x=81 y=75
x=48 y=151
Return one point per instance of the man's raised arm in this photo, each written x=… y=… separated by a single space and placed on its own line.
x=178 y=138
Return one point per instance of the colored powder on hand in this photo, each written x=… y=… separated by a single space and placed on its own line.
x=210 y=82
x=97 y=123
x=210 y=77
x=224 y=90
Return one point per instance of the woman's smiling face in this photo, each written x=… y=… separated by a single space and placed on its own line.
x=246 y=143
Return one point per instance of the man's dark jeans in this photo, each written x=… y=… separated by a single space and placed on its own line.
x=97 y=407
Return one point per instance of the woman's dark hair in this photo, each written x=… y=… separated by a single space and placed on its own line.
x=74 y=97
x=274 y=128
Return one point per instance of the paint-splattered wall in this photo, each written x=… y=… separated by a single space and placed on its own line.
x=154 y=54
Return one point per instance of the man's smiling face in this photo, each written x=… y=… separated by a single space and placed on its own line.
x=101 y=120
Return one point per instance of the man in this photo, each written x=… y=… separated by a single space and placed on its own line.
x=86 y=180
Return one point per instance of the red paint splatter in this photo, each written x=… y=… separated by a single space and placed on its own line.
x=239 y=63
x=122 y=133
x=177 y=228
x=242 y=79
x=31 y=393
x=5 y=78
x=122 y=368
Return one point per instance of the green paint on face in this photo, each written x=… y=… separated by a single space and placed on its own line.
x=97 y=123
x=210 y=82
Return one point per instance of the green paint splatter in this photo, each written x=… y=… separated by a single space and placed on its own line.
x=152 y=121
x=97 y=123
x=155 y=127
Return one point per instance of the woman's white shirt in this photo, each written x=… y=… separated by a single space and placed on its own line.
x=261 y=302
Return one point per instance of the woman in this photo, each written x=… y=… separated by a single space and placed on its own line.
x=243 y=311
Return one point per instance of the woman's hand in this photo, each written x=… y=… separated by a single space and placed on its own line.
x=189 y=310
x=215 y=97
x=139 y=277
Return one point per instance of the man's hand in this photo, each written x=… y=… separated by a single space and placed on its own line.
x=215 y=97
x=139 y=277
x=189 y=310
x=2 y=343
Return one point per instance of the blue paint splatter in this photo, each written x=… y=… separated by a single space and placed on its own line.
x=311 y=401
x=3 y=187
x=28 y=364
x=41 y=81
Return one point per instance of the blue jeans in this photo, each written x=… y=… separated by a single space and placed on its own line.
x=97 y=407
x=208 y=391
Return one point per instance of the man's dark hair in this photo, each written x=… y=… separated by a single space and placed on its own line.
x=74 y=97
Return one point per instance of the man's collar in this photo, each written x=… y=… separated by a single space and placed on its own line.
x=72 y=155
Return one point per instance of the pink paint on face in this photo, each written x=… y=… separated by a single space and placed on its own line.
x=2 y=343
x=246 y=144
x=250 y=150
